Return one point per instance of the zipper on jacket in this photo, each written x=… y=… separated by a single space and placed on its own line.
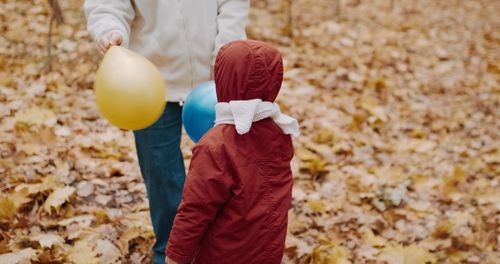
x=186 y=37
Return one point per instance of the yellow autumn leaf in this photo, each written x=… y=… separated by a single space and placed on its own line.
x=349 y=66
x=57 y=198
x=5 y=79
x=492 y=196
x=83 y=253
x=108 y=253
x=305 y=154
x=101 y=217
x=81 y=220
x=424 y=146
x=22 y=256
x=8 y=208
x=316 y=206
x=32 y=188
x=36 y=116
x=417 y=255
x=372 y=239
x=324 y=136
x=412 y=254
x=30 y=148
x=47 y=240
x=315 y=167
x=126 y=236
x=20 y=197
x=331 y=254
x=370 y=104
x=452 y=181
x=443 y=229
x=50 y=182
x=492 y=158
x=420 y=179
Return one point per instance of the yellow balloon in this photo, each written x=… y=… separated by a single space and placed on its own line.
x=129 y=89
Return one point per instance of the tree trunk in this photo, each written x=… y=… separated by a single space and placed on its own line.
x=57 y=16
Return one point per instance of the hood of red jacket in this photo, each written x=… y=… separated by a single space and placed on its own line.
x=248 y=69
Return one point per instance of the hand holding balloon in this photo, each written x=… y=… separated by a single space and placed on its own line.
x=129 y=89
x=108 y=39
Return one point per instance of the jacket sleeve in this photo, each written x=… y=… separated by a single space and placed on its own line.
x=109 y=15
x=208 y=187
x=232 y=18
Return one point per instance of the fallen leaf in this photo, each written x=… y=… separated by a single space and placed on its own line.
x=36 y=116
x=126 y=236
x=316 y=206
x=22 y=256
x=331 y=254
x=85 y=188
x=50 y=183
x=305 y=154
x=103 y=199
x=58 y=198
x=108 y=252
x=412 y=254
x=373 y=240
x=82 y=220
x=425 y=146
x=83 y=253
x=452 y=181
x=47 y=240
x=8 y=208
x=20 y=197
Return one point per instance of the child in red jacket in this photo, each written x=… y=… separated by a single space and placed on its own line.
x=239 y=186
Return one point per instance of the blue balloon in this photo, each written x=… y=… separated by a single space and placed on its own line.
x=198 y=112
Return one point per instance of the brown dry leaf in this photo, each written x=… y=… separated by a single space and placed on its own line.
x=305 y=154
x=8 y=208
x=22 y=256
x=371 y=105
x=50 y=183
x=36 y=116
x=20 y=197
x=85 y=188
x=30 y=149
x=126 y=236
x=108 y=253
x=31 y=188
x=443 y=229
x=452 y=181
x=83 y=253
x=82 y=220
x=412 y=254
x=424 y=146
x=397 y=103
x=58 y=198
x=47 y=240
x=373 y=240
x=47 y=256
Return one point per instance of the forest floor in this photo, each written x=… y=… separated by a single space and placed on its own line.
x=398 y=162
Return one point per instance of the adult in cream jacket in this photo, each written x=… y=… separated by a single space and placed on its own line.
x=182 y=38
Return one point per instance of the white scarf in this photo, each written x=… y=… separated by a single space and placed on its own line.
x=243 y=113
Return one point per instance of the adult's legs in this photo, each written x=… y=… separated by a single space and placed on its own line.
x=162 y=167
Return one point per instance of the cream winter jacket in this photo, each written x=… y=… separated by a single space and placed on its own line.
x=181 y=37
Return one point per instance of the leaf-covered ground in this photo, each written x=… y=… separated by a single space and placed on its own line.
x=398 y=161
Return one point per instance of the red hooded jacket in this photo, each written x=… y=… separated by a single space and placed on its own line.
x=238 y=189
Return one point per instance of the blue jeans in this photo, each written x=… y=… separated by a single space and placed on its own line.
x=162 y=167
